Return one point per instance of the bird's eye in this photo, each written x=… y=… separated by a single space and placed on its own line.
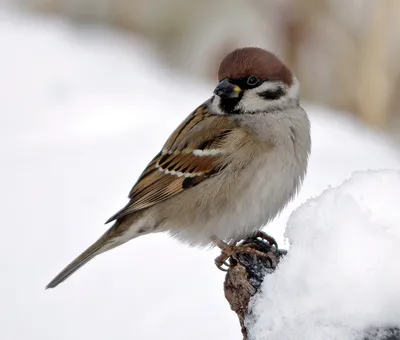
x=252 y=80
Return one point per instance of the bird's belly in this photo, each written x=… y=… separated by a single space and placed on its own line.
x=255 y=197
x=265 y=196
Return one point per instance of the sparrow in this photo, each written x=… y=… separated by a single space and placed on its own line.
x=227 y=170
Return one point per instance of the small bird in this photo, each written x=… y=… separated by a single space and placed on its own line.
x=227 y=170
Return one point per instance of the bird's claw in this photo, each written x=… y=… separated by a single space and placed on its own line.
x=265 y=237
x=222 y=261
x=229 y=251
x=224 y=266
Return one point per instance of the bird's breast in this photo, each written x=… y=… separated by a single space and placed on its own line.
x=269 y=186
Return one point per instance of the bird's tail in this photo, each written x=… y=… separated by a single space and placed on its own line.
x=101 y=245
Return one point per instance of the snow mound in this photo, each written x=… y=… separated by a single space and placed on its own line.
x=341 y=276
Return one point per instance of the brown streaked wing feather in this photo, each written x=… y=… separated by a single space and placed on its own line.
x=176 y=168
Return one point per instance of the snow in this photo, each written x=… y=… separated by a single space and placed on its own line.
x=341 y=275
x=83 y=110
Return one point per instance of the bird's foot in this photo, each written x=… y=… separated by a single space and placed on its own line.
x=265 y=237
x=230 y=250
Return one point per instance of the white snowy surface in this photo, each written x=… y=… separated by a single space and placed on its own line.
x=342 y=274
x=82 y=111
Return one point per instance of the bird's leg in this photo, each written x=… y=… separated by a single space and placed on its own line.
x=227 y=250
x=264 y=236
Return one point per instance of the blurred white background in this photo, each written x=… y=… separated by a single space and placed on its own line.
x=89 y=92
x=345 y=53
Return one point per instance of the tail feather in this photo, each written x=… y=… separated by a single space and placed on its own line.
x=94 y=250
x=112 y=238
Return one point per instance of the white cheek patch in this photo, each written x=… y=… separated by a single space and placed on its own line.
x=252 y=101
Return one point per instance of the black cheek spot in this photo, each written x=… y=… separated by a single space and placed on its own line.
x=272 y=94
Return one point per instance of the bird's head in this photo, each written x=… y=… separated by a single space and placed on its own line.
x=253 y=80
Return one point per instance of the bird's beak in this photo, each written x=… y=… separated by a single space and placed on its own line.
x=225 y=89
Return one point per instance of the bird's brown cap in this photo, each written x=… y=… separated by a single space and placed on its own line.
x=254 y=61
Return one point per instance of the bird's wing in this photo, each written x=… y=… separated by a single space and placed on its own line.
x=198 y=149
